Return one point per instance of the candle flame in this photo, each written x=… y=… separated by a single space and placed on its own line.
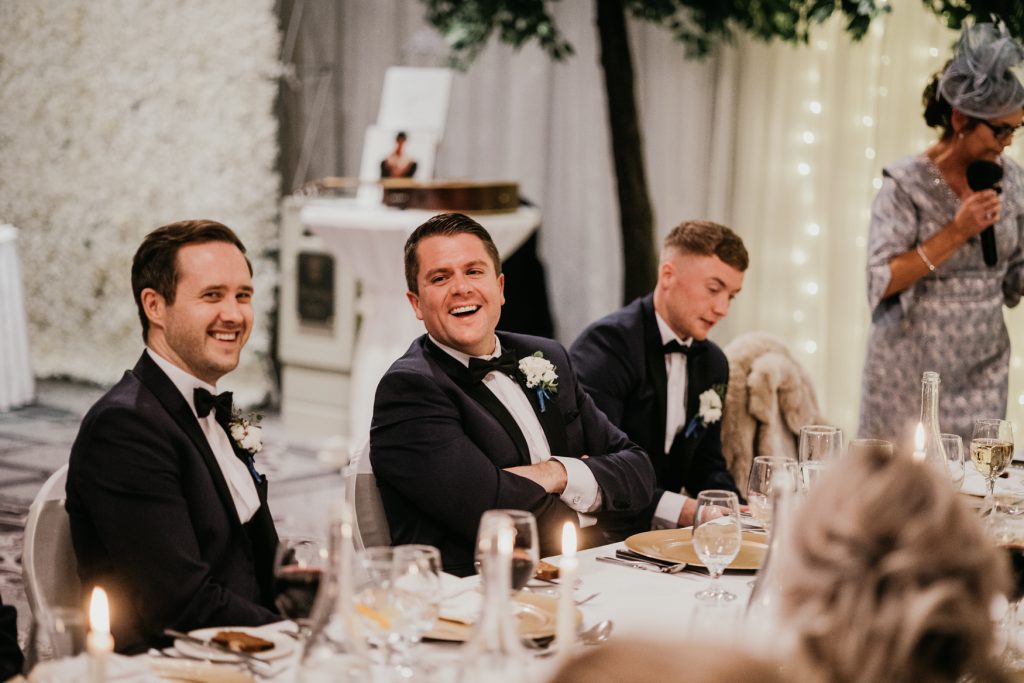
x=568 y=540
x=919 y=438
x=506 y=539
x=99 y=612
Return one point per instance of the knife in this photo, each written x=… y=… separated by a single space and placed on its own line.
x=217 y=647
x=666 y=566
x=627 y=563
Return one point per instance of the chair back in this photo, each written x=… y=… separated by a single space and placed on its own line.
x=48 y=564
x=361 y=488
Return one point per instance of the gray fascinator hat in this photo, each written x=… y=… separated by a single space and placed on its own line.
x=979 y=81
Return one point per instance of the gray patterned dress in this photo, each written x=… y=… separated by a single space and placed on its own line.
x=950 y=321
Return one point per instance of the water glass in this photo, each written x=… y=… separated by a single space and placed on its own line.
x=767 y=472
x=717 y=536
x=820 y=442
x=810 y=472
x=953 y=447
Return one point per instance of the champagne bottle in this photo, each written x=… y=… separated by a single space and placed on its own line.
x=934 y=454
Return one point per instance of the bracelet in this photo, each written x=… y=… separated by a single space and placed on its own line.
x=920 y=252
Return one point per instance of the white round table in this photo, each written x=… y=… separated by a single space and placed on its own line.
x=17 y=387
x=368 y=241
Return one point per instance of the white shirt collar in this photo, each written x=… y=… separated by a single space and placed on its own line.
x=464 y=357
x=667 y=334
x=185 y=382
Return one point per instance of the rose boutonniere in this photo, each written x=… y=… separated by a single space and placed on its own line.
x=710 y=410
x=246 y=431
x=540 y=376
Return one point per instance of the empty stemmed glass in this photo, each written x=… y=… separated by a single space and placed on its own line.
x=716 y=537
x=766 y=472
x=991 y=450
x=525 y=546
x=820 y=442
x=399 y=599
x=953 y=447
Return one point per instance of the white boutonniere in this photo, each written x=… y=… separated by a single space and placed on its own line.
x=540 y=376
x=710 y=410
x=246 y=431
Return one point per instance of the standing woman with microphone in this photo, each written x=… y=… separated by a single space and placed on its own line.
x=935 y=302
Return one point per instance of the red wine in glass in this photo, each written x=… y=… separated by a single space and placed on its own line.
x=296 y=588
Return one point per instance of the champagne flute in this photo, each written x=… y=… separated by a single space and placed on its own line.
x=953 y=447
x=525 y=548
x=820 y=442
x=716 y=538
x=991 y=450
x=298 y=565
x=767 y=472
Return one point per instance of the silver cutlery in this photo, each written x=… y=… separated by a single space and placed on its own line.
x=598 y=633
x=635 y=564
x=255 y=664
x=666 y=566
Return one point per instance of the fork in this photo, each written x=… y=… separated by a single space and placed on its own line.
x=667 y=566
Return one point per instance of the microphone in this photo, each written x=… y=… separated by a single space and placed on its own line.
x=985 y=175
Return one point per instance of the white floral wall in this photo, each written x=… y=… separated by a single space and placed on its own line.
x=117 y=116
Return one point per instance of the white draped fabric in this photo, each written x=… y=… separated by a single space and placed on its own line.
x=17 y=387
x=782 y=143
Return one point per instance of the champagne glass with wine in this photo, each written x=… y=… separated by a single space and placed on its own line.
x=525 y=545
x=298 y=565
x=717 y=537
x=991 y=449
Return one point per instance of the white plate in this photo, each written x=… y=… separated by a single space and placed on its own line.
x=284 y=645
x=974 y=483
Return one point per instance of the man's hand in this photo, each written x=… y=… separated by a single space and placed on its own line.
x=549 y=475
x=687 y=513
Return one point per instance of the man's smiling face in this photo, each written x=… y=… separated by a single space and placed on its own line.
x=460 y=293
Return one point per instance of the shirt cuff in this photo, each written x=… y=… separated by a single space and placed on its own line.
x=666 y=515
x=581 y=492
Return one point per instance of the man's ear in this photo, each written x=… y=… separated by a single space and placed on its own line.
x=501 y=288
x=154 y=306
x=414 y=301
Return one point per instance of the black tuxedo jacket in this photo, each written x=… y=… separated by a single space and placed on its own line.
x=621 y=364
x=152 y=520
x=439 y=444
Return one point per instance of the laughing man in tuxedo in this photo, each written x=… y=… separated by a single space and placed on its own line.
x=168 y=513
x=650 y=367
x=469 y=419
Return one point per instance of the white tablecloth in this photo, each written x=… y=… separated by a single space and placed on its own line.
x=368 y=241
x=17 y=387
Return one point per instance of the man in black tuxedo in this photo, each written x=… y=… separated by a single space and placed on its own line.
x=469 y=420
x=650 y=367
x=168 y=513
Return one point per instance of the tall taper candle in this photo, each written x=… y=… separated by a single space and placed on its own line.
x=99 y=642
x=919 y=443
x=565 y=626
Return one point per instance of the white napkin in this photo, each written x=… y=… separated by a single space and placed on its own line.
x=120 y=669
x=460 y=601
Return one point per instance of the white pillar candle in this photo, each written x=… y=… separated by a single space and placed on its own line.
x=99 y=642
x=565 y=626
x=919 y=443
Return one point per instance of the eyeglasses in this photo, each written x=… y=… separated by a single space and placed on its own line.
x=1001 y=131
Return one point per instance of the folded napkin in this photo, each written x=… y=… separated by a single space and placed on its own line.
x=460 y=599
x=193 y=670
x=119 y=669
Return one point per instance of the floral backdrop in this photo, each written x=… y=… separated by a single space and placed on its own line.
x=117 y=116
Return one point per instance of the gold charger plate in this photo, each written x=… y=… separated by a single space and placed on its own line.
x=535 y=613
x=676 y=545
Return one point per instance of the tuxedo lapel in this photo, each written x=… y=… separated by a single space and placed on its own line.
x=698 y=379
x=177 y=407
x=482 y=395
x=551 y=419
x=655 y=358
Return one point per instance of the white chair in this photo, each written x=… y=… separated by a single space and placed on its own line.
x=48 y=564
x=361 y=488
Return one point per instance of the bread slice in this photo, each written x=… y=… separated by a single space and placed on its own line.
x=242 y=642
x=546 y=571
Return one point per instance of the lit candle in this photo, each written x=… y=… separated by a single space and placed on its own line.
x=99 y=643
x=919 y=443
x=565 y=627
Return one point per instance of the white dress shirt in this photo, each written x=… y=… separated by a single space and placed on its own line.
x=236 y=474
x=581 y=493
x=666 y=515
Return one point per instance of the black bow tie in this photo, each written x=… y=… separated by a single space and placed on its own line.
x=506 y=362
x=675 y=347
x=205 y=402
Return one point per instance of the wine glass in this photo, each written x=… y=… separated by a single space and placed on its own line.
x=870 y=445
x=1006 y=528
x=820 y=442
x=991 y=449
x=716 y=538
x=766 y=473
x=525 y=548
x=298 y=565
x=398 y=599
x=953 y=447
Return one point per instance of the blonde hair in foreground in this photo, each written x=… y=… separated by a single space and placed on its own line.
x=890 y=577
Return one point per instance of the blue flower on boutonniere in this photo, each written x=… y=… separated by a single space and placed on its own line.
x=540 y=376
x=710 y=410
